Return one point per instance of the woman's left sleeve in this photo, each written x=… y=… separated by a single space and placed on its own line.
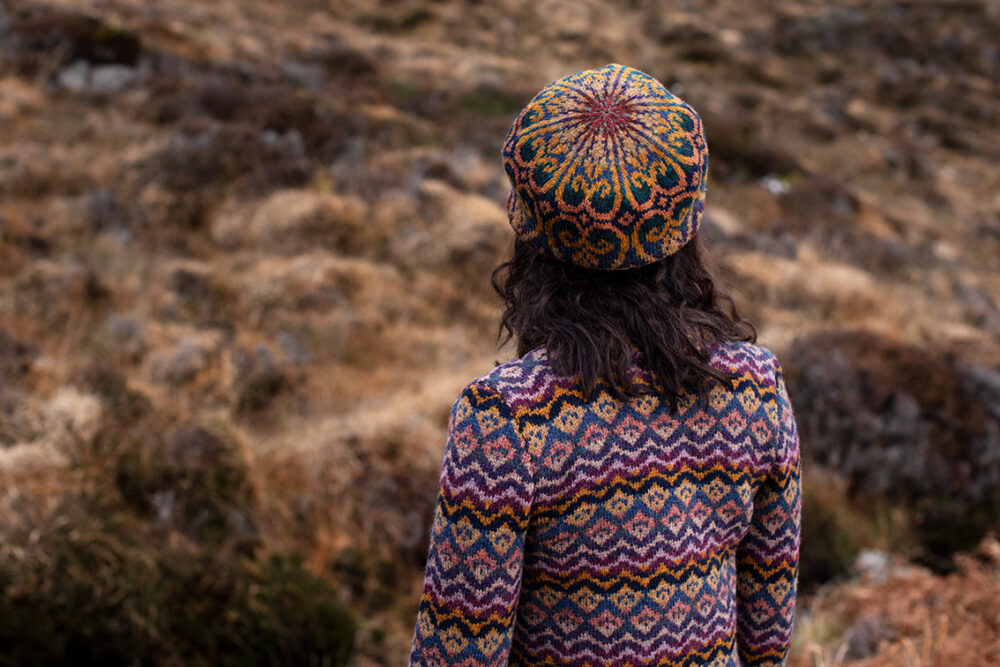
x=473 y=575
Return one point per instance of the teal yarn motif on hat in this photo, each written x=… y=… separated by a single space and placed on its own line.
x=608 y=170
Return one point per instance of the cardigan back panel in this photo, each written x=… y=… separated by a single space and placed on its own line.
x=569 y=532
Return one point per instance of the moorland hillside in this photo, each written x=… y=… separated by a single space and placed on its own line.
x=245 y=249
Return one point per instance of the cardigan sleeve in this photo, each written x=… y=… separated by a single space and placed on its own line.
x=472 y=579
x=767 y=559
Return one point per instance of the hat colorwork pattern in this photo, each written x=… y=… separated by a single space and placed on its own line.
x=608 y=169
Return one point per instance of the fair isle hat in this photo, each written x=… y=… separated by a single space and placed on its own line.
x=608 y=170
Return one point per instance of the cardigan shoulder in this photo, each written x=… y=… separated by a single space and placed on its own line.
x=530 y=375
x=512 y=378
x=749 y=360
x=529 y=391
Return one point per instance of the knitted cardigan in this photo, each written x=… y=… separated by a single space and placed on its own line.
x=607 y=533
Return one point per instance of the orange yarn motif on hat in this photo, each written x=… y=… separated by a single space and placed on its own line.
x=608 y=169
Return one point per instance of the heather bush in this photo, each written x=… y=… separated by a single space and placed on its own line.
x=95 y=585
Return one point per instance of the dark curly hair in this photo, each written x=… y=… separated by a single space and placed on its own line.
x=665 y=317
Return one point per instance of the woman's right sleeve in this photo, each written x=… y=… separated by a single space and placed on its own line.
x=767 y=560
x=473 y=576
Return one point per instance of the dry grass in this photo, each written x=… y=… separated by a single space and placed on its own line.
x=276 y=237
x=908 y=617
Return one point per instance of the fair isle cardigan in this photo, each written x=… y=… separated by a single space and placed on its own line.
x=570 y=532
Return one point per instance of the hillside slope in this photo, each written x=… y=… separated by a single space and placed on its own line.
x=244 y=258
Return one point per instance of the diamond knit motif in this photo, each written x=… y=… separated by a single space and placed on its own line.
x=608 y=169
x=610 y=532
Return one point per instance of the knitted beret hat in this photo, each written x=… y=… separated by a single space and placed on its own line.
x=608 y=170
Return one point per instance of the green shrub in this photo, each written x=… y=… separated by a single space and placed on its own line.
x=143 y=551
x=270 y=612
x=77 y=592
x=189 y=478
x=833 y=530
x=96 y=586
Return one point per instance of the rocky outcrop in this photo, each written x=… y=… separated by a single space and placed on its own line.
x=904 y=424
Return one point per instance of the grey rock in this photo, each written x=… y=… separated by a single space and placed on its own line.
x=775 y=185
x=291 y=346
x=111 y=79
x=863 y=637
x=123 y=327
x=125 y=334
x=75 y=77
x=164 y=503
x=985 y=385
x=873 y=563
x=304 y=74
x=978 y=305
x=82 y=78
x=180 y=365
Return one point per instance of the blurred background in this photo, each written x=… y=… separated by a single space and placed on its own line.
x=244 y=260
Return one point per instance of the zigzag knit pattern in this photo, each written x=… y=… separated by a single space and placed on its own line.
x=570 y=532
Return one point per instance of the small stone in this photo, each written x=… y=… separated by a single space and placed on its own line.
x=774 y=185
x=111 y=79
x=123 y=327
x=309 y=76
x=75 y=77
x=83 y=78
x=164 y=503
x=873 y=563
x=862 y=638
x=179 y=365
x=291 y=346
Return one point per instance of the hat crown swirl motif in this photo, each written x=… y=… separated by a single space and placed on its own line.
x=608 y=169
